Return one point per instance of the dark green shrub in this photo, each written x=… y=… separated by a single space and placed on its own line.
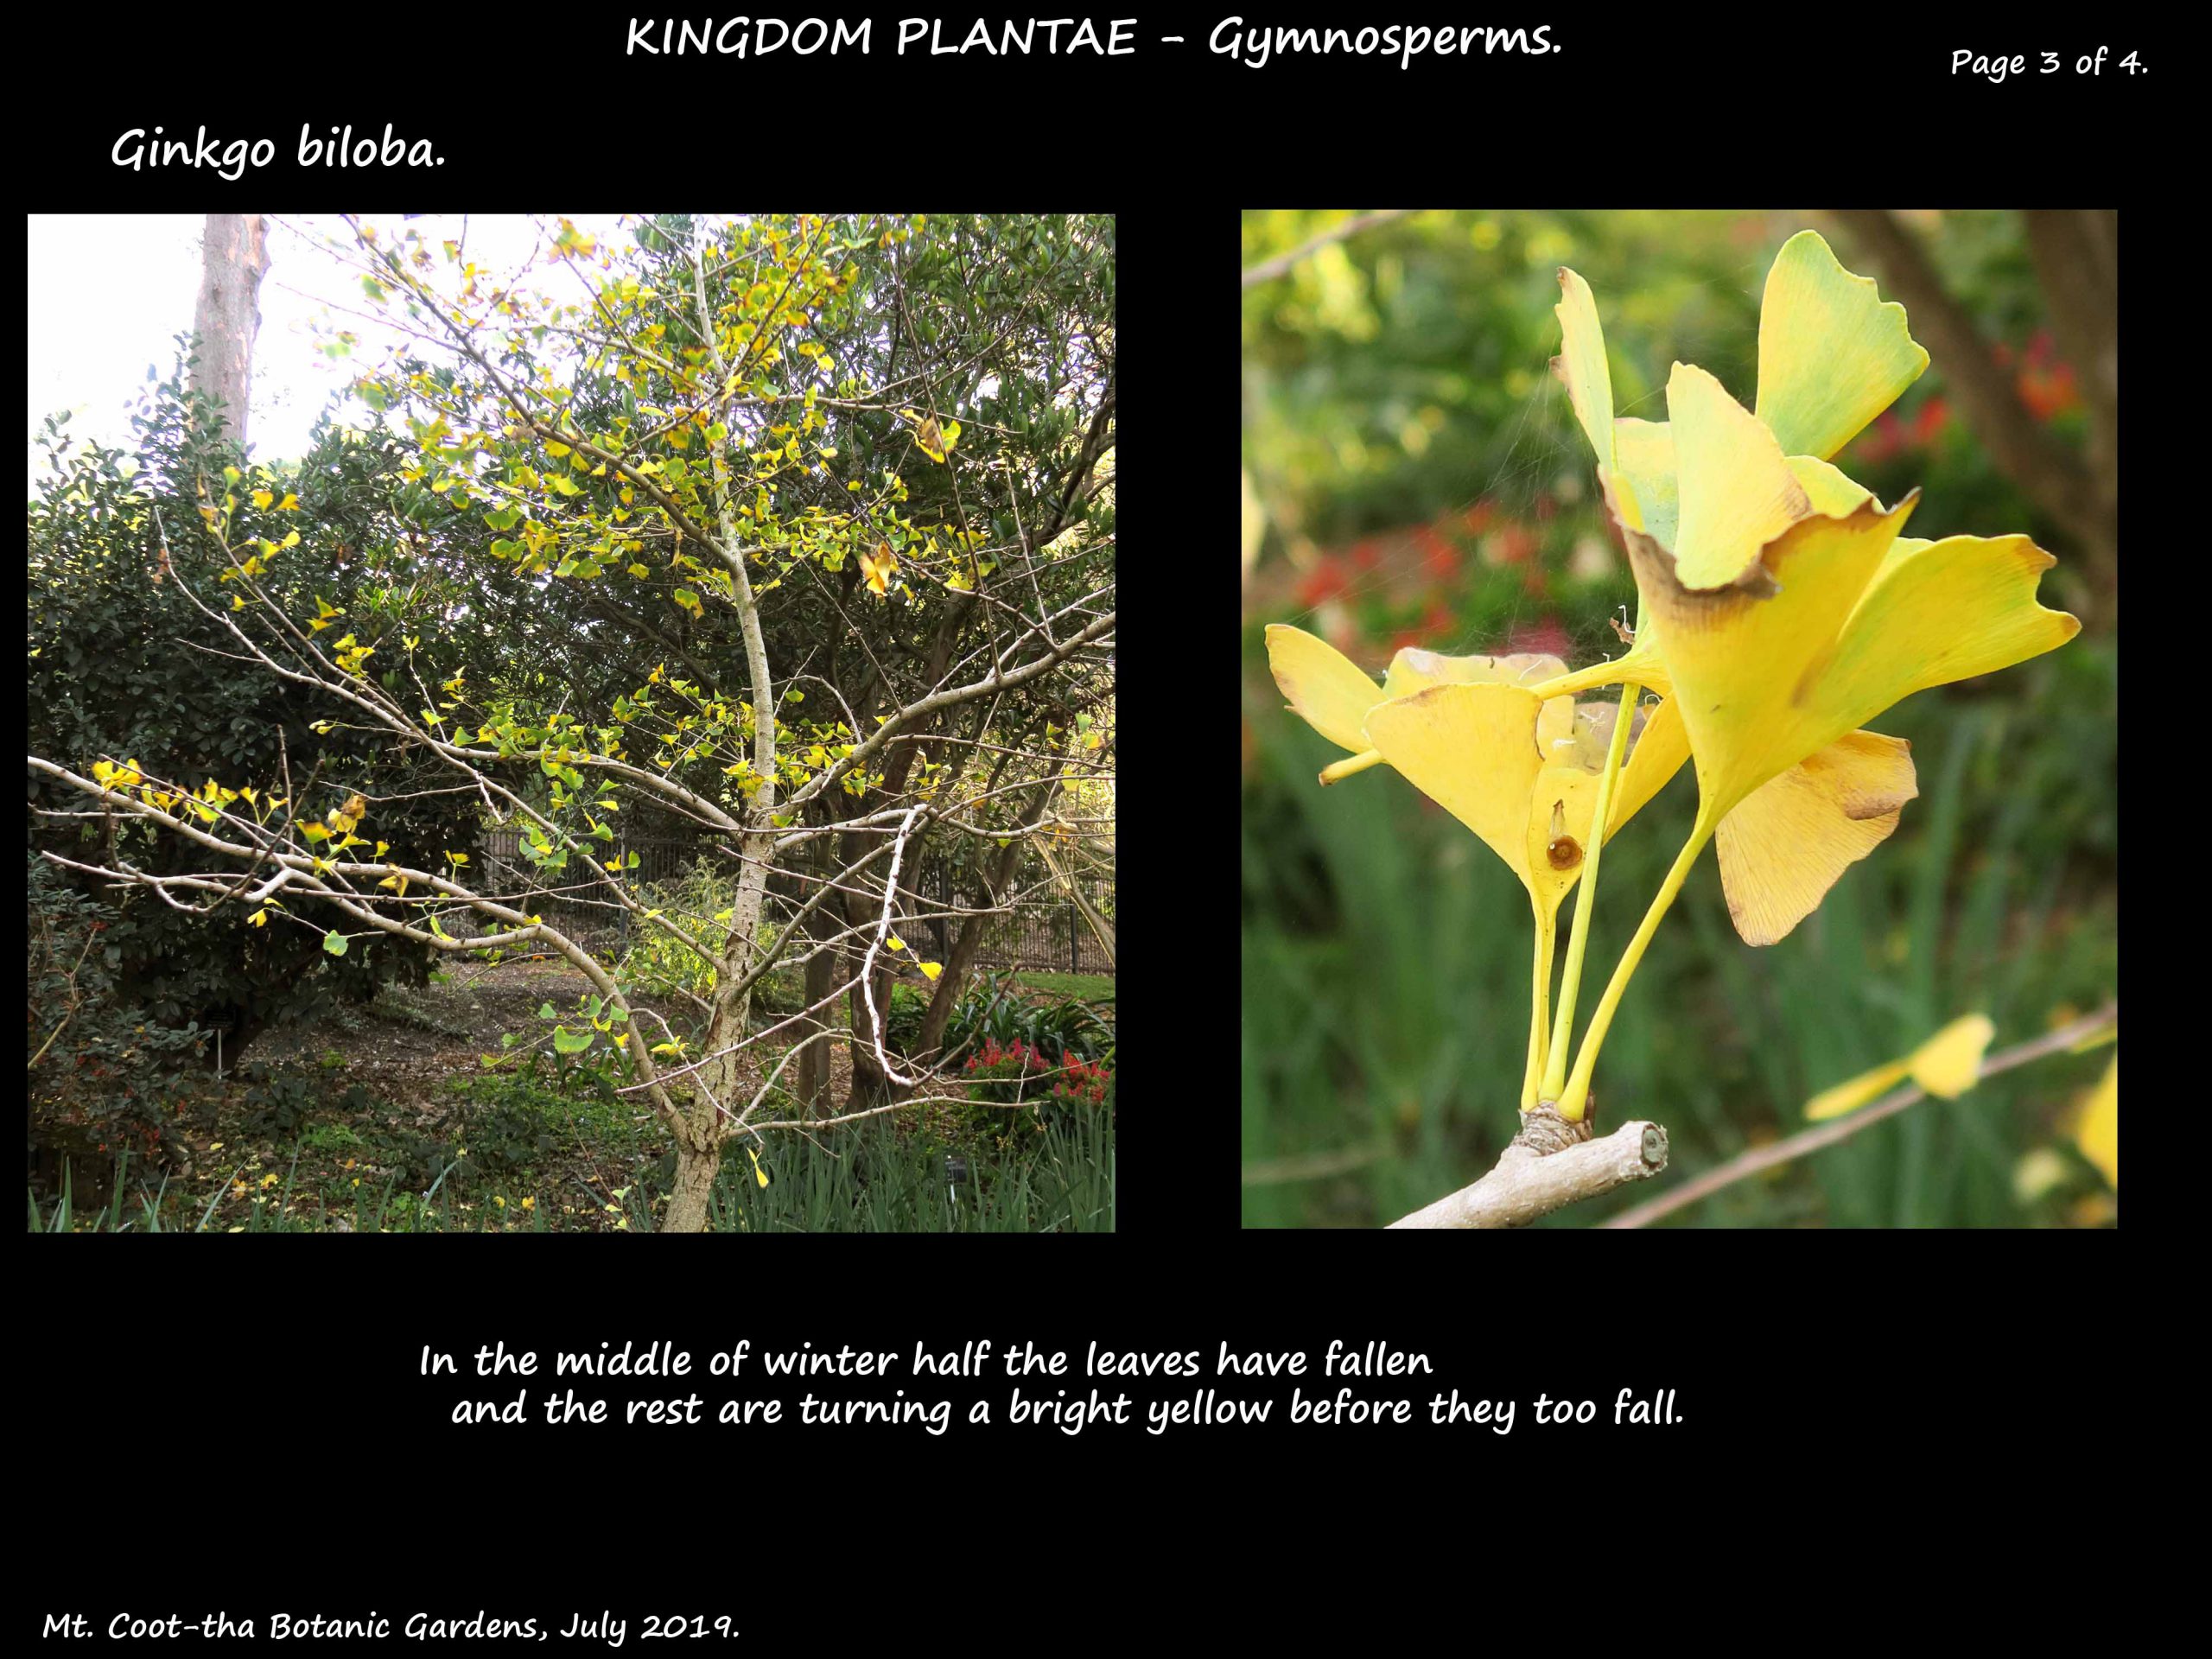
x=95 y=1060
x=122 y=666
x=995 y=1013
x=902 y=1021
x=279 y=1101
x=513 y=1131
x=1019 y=1089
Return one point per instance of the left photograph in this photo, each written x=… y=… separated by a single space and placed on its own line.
x=571 y=723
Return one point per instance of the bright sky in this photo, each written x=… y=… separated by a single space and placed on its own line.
x=109 y=292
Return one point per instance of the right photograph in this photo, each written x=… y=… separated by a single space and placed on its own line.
x=1679 y=762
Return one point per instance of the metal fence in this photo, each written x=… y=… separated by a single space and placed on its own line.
x=566 y=897
x=1041 y=928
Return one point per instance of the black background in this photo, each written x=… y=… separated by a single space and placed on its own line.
x=1865 y=1420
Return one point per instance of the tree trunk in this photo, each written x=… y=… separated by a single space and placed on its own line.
x=717 y=1083
x=2050 y=474
x=2076 y=254
x=688 y=1209
x=869 y=1086
x=811 y=1089
x=962 y=956
x=235 y=258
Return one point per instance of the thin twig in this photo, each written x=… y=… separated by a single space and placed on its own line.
x=1268 y=269
x=1319 y=1166
x=1827 y=1135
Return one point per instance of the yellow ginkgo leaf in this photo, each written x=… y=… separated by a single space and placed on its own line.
x=877 y=568
x=1946 y=1065
x=1786 y=842
x=1580 y=365
x=2096 y=1130
x=931 y=970
x=1833 y=353
x=758 y=1174
x=896 y=943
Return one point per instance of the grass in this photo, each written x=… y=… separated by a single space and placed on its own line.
x=544 y=1152
x=311 y=1144
x=1082 y=987
x=1385 y=997
x=873 y=1178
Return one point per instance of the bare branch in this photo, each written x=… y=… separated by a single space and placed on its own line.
x=1827 y=1135
x=1269 y=269
x=1528 y=1182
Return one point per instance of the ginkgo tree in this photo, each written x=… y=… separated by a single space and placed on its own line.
x=866 y=542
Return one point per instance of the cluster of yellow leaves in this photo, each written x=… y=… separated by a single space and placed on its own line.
x=350 y=654
x=935 y=438
x=930 y=971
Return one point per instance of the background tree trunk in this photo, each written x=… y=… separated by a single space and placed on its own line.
x=869 y=1087
x=811 y=1087
x=1006 y=862
x=2077 y=263
x=2076 y=254
x=234 y=258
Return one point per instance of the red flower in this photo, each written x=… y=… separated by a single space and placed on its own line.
x=1883 y=439
x=1439 y=558
x=1544 y=635
x=1935 y=415
x=1517 y=544
x=1323 y=582
x=2050 y=392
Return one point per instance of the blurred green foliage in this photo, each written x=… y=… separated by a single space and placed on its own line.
x=1421 y=481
